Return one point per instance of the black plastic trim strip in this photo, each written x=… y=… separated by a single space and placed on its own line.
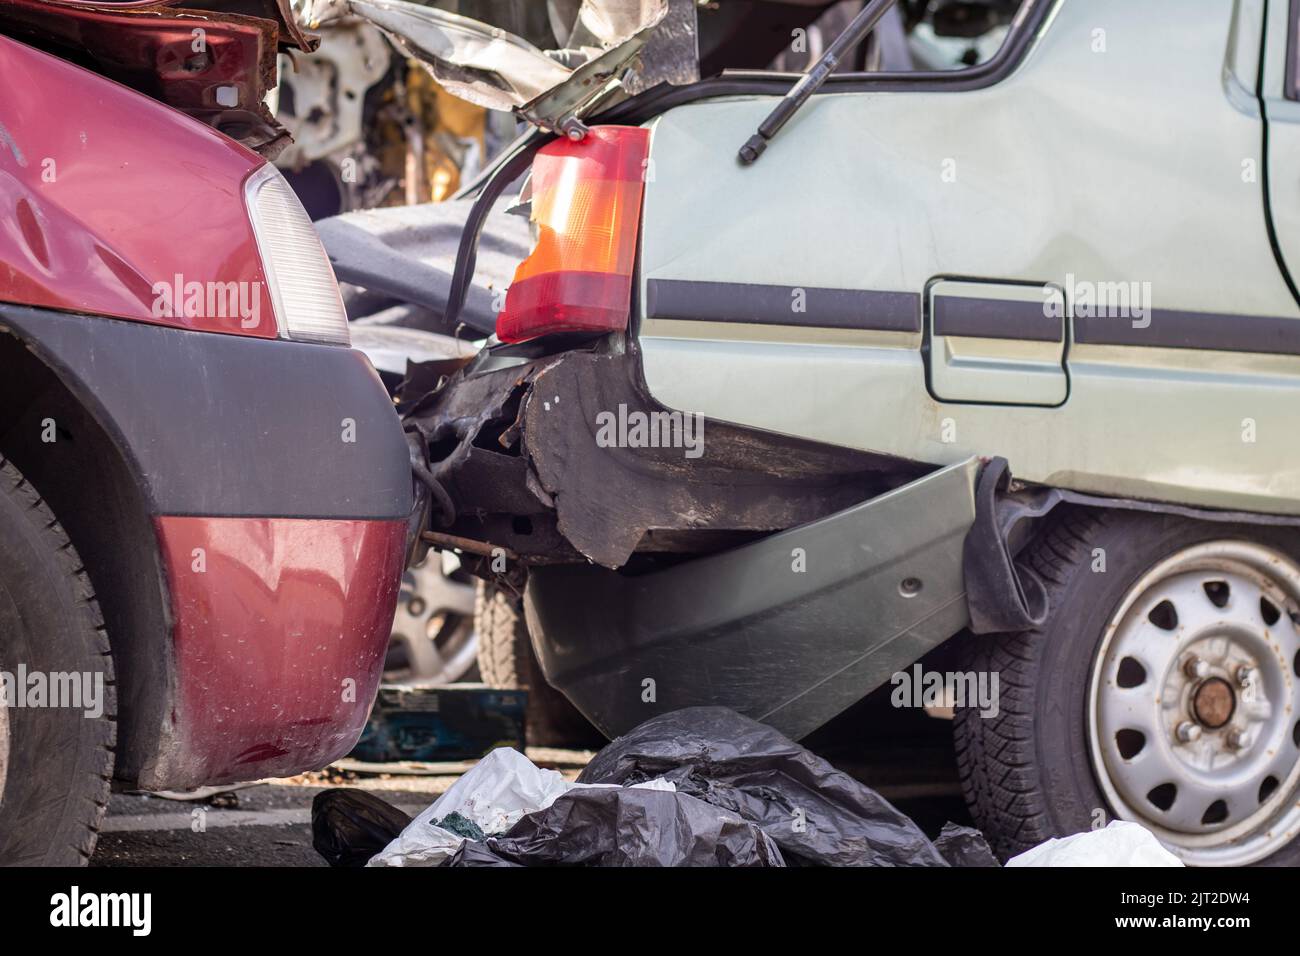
x=1292 y=89
x=995 y=319
x=776 y=305
x=514 y=165
x=1208 y=331
x=866 y=309
x=1266 y=150
x=229 y=425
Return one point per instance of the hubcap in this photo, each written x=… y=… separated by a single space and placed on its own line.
x=433 y=640
x=1194 y=700
x=1213 y=703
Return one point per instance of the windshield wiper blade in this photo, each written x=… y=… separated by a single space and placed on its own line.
x=812 y=80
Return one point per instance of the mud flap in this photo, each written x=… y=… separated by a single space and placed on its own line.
x=1002 y=597
x=789 y=630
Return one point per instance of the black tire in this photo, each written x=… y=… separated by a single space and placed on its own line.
x=1027 y=772
x=60 y=760
x=506 y=660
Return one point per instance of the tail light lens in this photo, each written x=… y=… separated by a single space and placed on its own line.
x=586 y=206
x=308 y=307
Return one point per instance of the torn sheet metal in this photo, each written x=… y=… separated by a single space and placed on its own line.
x=672 y=52
x=475 y=61
x=217 y=64
x=592 y=84
x=501 y=454
x=607 y=23
x=495 y=69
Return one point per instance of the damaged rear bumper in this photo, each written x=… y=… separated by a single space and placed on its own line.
x=777 y=577
x=532 y=464
x=789 y=630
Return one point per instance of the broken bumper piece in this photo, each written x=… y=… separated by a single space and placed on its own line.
x=789 y=630
x=552 y=461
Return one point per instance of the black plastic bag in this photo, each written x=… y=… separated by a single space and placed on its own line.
x=813 y=812
x=623 y=827
x=476 y=854
x=964 y=846
x=348 y=827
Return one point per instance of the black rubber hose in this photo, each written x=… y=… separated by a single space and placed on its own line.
x=440 y=496
x=467 y=253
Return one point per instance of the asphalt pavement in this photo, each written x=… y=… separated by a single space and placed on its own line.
x=269 y=823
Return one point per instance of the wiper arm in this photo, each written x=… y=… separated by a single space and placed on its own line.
x=812 y=80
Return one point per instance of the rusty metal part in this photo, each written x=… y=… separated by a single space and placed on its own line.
x=517 y=449
x=1214 y=702
x=466 y=544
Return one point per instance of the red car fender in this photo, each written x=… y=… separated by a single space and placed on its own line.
x=107 y=196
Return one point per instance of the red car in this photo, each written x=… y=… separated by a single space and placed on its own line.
x=204 y=491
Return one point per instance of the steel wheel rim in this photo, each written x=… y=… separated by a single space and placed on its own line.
x=434 y=625
x=1214 y=698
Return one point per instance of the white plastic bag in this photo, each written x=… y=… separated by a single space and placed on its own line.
x=502 y=787
x=1122 y=843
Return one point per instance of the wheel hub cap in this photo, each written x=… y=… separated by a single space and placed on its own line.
x=434 y=625
x=1194 y=701
x=1214 y=702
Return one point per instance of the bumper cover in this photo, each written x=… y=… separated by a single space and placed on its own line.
x=747 y=630
x=230 y=425
x=279 y=641
x=276 y=494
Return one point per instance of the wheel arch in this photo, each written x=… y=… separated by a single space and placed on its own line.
x=91 y=482
x=1010 y=517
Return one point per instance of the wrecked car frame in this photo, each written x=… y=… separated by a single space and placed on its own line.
x=519 y=450
x=1091 y=485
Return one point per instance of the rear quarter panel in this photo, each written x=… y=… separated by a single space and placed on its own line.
x=1119 y=150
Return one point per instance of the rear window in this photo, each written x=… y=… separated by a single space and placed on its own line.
x=915 y=36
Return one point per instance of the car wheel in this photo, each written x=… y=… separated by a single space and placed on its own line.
x=433 y=641
x=506 y=660
x=55 y=761
x=1162 y=689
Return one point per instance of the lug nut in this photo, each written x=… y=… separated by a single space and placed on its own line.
x=1188 y=732
x=1196 y=668
x=1237 y=740
x=1246 y=675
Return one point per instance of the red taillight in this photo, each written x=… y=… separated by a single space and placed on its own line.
x=586 y=206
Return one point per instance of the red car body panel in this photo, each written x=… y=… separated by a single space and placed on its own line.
x=269 y=647
x=281 y=629
x=95 y=211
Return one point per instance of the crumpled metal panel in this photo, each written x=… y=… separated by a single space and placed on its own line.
x=216 y=65
x=475 y=61
x=495 y=69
